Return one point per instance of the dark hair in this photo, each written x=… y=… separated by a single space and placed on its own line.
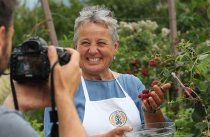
x=6 y=11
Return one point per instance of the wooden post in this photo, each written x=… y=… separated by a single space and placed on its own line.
x=172 y=23
x=174 y=40
x=49 y=22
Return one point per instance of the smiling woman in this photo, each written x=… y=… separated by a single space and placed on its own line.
x=107 y=101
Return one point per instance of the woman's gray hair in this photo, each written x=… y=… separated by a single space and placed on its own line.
x=96 y=14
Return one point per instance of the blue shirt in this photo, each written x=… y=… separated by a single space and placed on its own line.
x=100 y=90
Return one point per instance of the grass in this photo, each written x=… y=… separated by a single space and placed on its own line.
x=4 y=87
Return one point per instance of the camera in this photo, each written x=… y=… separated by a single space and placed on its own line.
x=29 y=61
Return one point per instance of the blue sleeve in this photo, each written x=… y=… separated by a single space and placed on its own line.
x=47 y=124
x=138 y=102
x=134 y=86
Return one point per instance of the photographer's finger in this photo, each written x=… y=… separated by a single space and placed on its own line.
x=52 y=55
x=75 y=56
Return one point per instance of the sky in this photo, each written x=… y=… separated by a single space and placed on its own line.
x=31 y=3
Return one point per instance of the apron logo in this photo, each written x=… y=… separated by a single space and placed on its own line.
x=118 y=118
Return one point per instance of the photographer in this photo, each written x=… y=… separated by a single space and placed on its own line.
x=32 y=96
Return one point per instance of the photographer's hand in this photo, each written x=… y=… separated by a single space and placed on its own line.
x=66 y=77
x=66 y=80
x=30 y=96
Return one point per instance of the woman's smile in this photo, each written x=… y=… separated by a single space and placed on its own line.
x=94 y=60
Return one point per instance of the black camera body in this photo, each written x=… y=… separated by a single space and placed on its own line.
x=29 y=61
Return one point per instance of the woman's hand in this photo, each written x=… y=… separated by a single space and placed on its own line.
x=117 y=132
x=156 y=98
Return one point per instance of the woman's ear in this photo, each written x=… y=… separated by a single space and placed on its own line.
x=116 y=46
x=75 y=47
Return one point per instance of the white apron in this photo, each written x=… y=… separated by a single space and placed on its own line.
x=105 y=115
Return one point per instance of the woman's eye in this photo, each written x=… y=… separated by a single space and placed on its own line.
x=101 y=43
x=85 y=43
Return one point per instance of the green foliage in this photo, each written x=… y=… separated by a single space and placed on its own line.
x=32 y=22
x=141 y=36
x=192 y=20
x=36 y=120
x=67 y=40
x=139 y=9
x=183 y=127
x=151 y=60
x=208 y=12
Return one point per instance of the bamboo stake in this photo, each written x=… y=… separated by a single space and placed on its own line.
x=49 y=22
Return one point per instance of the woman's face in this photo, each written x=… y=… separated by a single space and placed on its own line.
x=96 y=48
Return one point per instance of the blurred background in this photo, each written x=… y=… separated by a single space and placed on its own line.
x=153 y=43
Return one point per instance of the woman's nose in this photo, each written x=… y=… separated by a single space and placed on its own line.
x=93 y=49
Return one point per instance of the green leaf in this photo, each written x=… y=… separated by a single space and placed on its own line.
x=201 y=125
x=201 y=57
x=179 y=58
x=199 y=112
